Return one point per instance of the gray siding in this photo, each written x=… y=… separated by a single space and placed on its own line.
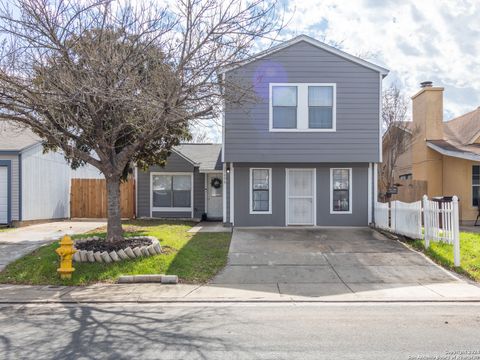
x=175 y=163
x=247 y=136
x=359 y=216
x=15 y=186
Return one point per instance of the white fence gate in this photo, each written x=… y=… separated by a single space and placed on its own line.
x=440 y=221
x=381 y=215
x=406 y=218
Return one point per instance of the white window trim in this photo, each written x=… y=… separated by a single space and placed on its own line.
x=302 y=107
x=350 y=191
x=287 y=206
x=471 y=180
x=172 y=209
x=269 y=192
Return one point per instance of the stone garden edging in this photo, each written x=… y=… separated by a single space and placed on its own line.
x=114 y=256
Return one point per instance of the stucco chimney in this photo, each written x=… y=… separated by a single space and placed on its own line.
x=427 y=108
x=427 y=164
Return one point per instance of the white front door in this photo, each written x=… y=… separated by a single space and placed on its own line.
x=214 y=195
x=300 y=197
x=3 y=194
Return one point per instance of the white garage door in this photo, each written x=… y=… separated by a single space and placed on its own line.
x=3 y=194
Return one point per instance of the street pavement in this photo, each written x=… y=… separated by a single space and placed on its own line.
x=226 y=331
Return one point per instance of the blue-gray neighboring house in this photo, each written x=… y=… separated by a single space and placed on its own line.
x=33 y=186
x=304 y=153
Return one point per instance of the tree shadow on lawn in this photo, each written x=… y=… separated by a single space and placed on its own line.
x=195 y=258
x=201 y=258
x=196 y=261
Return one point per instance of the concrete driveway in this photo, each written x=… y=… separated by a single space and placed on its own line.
x=18 y=242
x=329 y=262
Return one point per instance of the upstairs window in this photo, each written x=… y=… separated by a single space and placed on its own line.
x=284 y=99
x=320 y=107
x=302 y=107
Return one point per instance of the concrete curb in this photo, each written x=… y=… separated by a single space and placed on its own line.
x=243 y=301
x=152 y=278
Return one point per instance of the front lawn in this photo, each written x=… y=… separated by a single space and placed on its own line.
x=195 y=258
x=442 y=254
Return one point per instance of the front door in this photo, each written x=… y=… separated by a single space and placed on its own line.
x=300 y=197
x=214 y=195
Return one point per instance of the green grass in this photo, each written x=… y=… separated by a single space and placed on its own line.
x=195 y=258
x=442 y=254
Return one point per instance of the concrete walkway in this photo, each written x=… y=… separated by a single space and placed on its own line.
x=18 y=242
x=153 y=293
x=209 y=227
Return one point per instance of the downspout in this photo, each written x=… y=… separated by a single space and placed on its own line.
x=20 y=187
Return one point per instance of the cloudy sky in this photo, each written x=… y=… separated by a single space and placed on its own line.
x=437 y=40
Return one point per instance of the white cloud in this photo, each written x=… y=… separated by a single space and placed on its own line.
x=434 y=40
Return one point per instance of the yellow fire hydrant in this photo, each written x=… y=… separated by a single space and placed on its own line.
x=66 y=251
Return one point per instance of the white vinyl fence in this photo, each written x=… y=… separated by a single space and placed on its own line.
x=440 y=221
x=406 y=218
x=382 y=215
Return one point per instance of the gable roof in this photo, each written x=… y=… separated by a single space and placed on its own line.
x=206 y=156
x=464 y=129
x=16 y=138
x=459 y=136
x=315 y=43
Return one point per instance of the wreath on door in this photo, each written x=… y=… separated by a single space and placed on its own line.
x=216 y=183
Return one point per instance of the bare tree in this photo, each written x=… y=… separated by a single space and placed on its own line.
x=112 y=84
x=397 y=137
x=199 y=135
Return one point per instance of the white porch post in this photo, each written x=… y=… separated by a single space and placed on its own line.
x=369 y=193
x=232 y=195
x=375 y=185
x=224 y=193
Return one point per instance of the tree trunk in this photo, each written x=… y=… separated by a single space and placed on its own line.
x=114 y=225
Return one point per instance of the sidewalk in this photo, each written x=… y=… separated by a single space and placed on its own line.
x=151 y=293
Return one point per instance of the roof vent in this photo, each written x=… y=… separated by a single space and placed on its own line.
x=426 y=84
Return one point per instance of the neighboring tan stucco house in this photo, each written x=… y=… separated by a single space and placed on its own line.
x=444 y=154
x=304 y=153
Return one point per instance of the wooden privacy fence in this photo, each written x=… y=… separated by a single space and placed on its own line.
x=88 y=198
x=440 y=221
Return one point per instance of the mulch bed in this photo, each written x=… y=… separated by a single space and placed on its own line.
x=101 y=245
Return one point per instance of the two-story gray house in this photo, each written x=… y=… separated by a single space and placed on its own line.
x=304 y=153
